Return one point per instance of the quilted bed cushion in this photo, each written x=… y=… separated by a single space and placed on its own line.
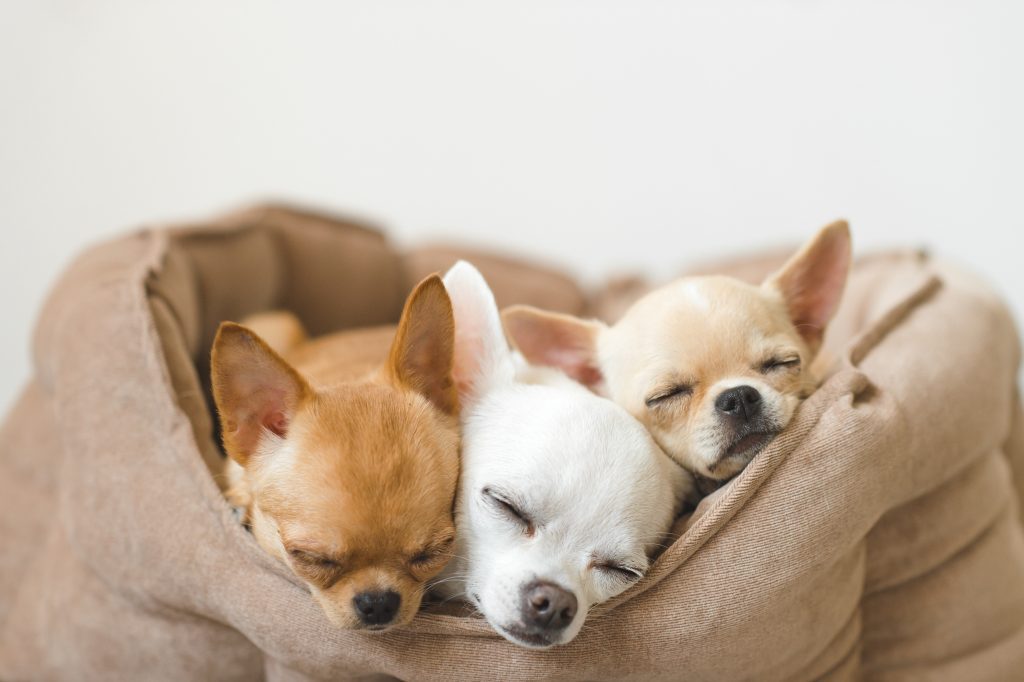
x=878 y=537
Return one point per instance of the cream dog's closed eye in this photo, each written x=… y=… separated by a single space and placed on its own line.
x=714 y=367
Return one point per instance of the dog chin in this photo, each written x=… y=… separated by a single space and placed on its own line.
x=739 y=453
x=353 y=624
x=519 y=635
x=509 y=627
x=749 y=445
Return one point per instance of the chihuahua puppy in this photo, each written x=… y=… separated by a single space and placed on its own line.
x=348 y=478
x=564 y=496
x=714 y=367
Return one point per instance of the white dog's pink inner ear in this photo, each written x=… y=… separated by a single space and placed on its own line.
x=481 y=351
x=470 y=354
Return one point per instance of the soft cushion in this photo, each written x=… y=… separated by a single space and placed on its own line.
x=878 y=537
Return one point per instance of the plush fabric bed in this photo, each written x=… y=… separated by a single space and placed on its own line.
x=879 y=537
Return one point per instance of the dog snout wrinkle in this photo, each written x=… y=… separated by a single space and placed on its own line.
x=547 y=606
x=377 y=608
x=742 y=403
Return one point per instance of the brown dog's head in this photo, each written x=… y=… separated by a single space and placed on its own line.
x=351 y=486
x=712 y=366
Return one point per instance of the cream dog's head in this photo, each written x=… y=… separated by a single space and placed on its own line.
x=563 y=495
x=714 y=367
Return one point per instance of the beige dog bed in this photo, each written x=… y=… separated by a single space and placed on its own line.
x=877 y=537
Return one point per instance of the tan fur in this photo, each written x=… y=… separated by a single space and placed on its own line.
x=665 y=341
x=347 y=476
x=705 y=333
x=281 y=330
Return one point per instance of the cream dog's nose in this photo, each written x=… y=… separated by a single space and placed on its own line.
x=742 y=403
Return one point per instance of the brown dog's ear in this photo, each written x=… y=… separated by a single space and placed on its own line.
x=555 y=340
x=422 y=353
x=256 y=391
x=812 y=281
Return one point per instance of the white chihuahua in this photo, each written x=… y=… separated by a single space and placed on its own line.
x=563 y=497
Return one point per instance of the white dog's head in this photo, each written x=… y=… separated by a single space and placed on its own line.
x=563 y=495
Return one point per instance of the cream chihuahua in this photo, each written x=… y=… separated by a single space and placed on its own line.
x=714 y=367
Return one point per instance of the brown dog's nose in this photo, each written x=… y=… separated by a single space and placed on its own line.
x=547 y=606
x=742 y=403
x=377 y=608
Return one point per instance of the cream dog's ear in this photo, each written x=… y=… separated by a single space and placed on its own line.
x=255 y=390
x=811 y=283
x=556 y=340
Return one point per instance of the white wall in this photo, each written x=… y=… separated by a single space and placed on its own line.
x=602 y=135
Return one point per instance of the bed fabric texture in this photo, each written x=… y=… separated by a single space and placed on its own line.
x=879 y=537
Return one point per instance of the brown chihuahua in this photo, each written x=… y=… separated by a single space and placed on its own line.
x=348 y=476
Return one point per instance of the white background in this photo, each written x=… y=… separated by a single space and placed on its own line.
x=599 y=135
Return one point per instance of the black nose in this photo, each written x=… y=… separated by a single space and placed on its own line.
x=377 y=608
x=548 y=606
x=742 y=403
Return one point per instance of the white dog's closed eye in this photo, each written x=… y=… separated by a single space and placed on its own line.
x=500 y=501
x=563 y=495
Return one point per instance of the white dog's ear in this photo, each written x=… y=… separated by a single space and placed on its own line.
x=812 y=281
x=482 y=355
x=556 y=340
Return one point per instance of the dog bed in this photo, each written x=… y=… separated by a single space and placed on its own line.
x=878 y=537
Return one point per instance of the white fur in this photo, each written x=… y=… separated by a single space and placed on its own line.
x=272 y=457
x=596 y=485
x=696 y=295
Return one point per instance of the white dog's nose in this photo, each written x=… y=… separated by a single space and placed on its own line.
x=547 y=606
